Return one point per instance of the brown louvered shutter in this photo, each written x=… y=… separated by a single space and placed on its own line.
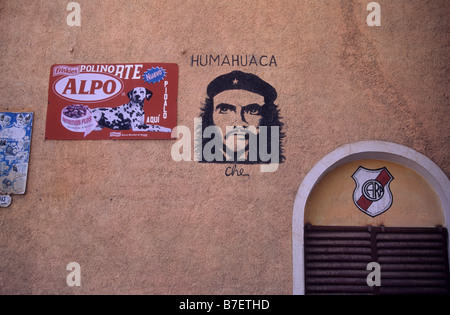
x=412 y=260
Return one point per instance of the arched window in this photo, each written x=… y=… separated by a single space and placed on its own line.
x=374 y=154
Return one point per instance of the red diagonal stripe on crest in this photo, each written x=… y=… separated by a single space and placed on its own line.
x=364 y=203
x=383 y=178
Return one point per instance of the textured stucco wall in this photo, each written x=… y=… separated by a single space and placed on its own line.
x=138 y=222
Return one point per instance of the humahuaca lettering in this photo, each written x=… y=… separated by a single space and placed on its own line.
x=233 y=60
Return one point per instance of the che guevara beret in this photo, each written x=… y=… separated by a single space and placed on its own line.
x=238 y=80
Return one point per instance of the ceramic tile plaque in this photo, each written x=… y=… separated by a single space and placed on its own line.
x=15 y=140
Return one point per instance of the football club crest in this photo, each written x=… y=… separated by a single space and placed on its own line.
x=372 y=194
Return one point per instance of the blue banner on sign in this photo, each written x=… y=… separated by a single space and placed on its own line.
x=154 y=75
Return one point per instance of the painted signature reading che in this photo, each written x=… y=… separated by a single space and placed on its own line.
x=233 y=170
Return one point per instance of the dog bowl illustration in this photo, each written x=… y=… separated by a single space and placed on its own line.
x=78 y=118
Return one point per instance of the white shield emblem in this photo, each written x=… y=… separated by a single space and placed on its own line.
x=372 y=194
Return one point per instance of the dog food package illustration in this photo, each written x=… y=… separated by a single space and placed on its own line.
x=112 y=101
x=15 y=140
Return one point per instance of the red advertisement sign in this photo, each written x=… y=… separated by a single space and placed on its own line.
x=112 y=101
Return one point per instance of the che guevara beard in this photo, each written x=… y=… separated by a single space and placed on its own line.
x=237 y=145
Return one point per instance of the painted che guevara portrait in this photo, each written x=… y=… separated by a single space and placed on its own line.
x=240 y=122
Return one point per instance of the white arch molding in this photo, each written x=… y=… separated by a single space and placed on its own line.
x=379 y=150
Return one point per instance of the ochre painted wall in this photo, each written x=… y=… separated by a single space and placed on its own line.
x=415 y=204
x=137 y=221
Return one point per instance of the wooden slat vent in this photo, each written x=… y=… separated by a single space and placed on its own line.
x=412 y=260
